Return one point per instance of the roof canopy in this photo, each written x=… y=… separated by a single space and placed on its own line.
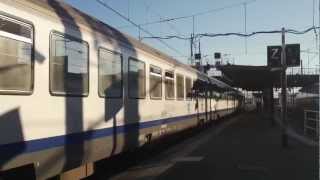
x=256 y=78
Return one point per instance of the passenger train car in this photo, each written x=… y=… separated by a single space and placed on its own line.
x=74 y=90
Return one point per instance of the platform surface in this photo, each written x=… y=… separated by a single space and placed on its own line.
x=243 y=147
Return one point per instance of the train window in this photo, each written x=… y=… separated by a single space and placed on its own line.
x=110 y=74
x=68 y=66
x=155 y=82
x=180 y=87
x=16 y=54
x=137 y=78
x=188 y=88
x=169 y=85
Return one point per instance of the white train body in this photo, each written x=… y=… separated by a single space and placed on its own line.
x=41 y=128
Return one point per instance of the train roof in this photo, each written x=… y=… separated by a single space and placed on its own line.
x=73 y=16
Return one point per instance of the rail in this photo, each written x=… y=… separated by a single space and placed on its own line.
x=311 y=122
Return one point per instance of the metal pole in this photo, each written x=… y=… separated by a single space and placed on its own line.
x=284 y=92
x=313 y=12
x=200 y=54
x=139 y=33
x=301 y=67
x=193 y=25
x=191 y=50
x=245 y=26
x=308 y=68
x=192 y=40
x=128 y=9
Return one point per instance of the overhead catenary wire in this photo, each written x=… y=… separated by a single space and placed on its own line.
x=290 y=31
x=135 y=24
x=171 y=26
x=192 y=15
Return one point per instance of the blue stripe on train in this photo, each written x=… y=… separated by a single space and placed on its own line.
x=51 y=142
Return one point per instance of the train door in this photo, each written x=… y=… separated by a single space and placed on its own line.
x=200 y=107
x=206 y=104
x=197 y=105
x=210 y=106
x=234 y=103
x=227 y=98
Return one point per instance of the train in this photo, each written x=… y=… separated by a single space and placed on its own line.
x=74 y=90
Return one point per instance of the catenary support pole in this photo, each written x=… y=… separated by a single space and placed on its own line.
x=191 y=50
x=284 y=120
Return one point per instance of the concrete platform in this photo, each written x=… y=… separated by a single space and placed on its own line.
x=243 y=147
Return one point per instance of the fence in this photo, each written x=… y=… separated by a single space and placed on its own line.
x=311 y=122
x=306 y=71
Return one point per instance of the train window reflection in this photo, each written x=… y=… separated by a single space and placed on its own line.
x=180 y=87
x=155 y=82
x=169 y=85
x=16 y=49
x=15 y=29
x=136 y=79
x=110 y=74
x=68 y=66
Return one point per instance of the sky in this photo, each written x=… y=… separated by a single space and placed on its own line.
x=262 y=15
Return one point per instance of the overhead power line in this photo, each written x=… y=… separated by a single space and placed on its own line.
x=135 y=24
x=290 y=31
x=192 y=15
x=171 y=26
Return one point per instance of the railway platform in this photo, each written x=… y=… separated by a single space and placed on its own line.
x=246 y=147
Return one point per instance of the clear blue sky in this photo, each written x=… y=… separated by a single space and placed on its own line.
x=261 y=15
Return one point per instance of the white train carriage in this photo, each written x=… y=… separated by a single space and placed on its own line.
x=74 y=90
